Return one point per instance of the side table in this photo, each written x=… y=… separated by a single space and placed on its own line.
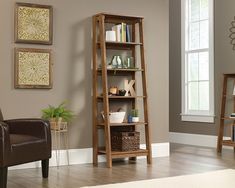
x=60 y=133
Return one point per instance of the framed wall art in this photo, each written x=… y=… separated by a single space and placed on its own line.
x=33 y=68
x=232 y=33
x=33 y=23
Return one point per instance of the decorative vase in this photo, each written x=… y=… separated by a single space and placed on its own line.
x=113 y=90
x=116 y=61
x=129 y=119
x=119 y=62
x=122 y=92
x=130 y=63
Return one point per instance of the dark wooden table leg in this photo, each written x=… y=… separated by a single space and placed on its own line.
x=45 y=168
x=3 y=177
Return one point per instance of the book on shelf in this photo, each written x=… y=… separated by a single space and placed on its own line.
x=123 y=32
x=117 y=29
x=128 y=33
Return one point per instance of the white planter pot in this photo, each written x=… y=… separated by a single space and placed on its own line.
x=135 y=119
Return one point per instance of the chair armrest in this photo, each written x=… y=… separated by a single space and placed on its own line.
x=34 y=127
x=4 y=142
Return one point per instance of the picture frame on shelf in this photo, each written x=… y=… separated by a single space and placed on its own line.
x=33 y=23
x=33 y=68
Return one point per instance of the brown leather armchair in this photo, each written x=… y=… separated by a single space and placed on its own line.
x=23 y=141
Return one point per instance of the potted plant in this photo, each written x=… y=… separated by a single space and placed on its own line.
x=58 y=116
x=135 y=115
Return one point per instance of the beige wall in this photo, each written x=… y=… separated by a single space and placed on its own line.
x=72 y=50
x=224 y=63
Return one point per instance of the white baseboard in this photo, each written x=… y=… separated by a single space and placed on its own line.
x=83 y=156
x=159 y=149
x=194 y=139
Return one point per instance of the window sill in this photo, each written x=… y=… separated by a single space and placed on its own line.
x=198 y=118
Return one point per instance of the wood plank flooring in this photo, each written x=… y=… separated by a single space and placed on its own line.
x=183 y=160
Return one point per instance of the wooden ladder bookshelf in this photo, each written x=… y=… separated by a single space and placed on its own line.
x=102 y=46
x=226 y=118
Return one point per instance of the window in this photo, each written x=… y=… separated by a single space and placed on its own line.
x=197 y=60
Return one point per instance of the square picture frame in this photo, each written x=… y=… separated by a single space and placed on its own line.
x=33 y=23
x=33 y=68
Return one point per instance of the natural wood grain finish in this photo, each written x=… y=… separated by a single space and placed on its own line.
x=228 y=143
x=117 y=18
x=104 y=46
x=123 y=154
x=220 y=141
x=122 y=97
x=123 y=124
x=105 y=91
x=183 y=160
x=95 y=106
x=121 y=70
x=144 y=84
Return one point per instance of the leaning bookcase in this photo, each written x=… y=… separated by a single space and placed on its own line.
x=102 y=73
x=226 y=119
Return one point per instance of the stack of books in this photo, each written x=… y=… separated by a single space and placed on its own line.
x=123 y=32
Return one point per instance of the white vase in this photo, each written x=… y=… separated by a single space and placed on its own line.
x=135 y=119
x=119 y=62
x=116 y=62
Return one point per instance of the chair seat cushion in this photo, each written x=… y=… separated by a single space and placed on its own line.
x=21 y=139
x=26 y=148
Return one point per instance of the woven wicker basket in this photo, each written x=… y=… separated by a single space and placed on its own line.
x=125 y=141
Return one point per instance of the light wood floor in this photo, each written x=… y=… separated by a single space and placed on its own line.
x=183 y=160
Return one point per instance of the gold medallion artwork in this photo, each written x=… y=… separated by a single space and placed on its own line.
x=33 y=23
x=33 y=68
x=232 y=33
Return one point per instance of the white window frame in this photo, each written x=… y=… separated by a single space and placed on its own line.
x=198 y=116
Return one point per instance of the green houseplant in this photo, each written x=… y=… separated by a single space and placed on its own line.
x=57 y=115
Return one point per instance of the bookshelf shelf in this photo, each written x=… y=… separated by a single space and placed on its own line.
x=121 y=97
x=122 y=154
x=228 y=143
x=122 y=124
x=117 y=18
x=120 y=70
x=120 y=45
x=228 y=118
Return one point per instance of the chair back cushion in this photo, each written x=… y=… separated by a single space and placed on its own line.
x=1 y=116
